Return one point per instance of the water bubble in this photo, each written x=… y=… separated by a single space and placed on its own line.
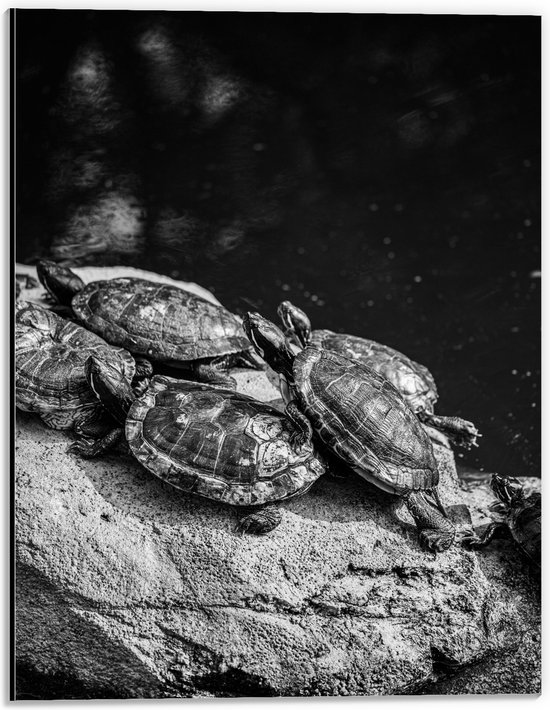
x=527 y=222
x=391 y=255
x=285 y=287
x=417 y=279
x=370 y=303
x=386 y=240
x=373 y=207
x=258 y=147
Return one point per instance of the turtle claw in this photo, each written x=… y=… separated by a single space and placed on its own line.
x=82 y=448
x=436 y=540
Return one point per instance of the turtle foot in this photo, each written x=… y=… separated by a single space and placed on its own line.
x=261 y=522
x=436 y=540
x=85 y=449
x=466 y=437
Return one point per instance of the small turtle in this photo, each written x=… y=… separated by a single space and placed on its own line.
x=161 y=322
x=205 y=440
x=519 y=515
x=361 y=417
x=414 y=381
x=50 y=355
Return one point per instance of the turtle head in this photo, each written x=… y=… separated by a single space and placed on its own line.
x=59 y=281
x=507 y=488
x=110 y=386
x=296 y=321
x=269 y=342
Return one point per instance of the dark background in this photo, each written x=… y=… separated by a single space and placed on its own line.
x=383 y=172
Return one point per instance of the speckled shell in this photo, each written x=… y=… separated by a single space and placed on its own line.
x=50 y=354
x=218 y=444
x=364 y=420
x=159 y=321
x=412 y=380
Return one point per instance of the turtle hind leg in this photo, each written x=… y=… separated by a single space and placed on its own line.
x=90 y=450
x=260 y=522
x=461 y=432
x=436 y=531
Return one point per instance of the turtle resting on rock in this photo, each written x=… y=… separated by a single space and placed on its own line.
x=359 y=416
x=158 y=321
x=519 y=515
x=208 y=441
x=50 y=358
x=412 y=380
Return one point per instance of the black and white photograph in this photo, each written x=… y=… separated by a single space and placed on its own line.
x=275 y=354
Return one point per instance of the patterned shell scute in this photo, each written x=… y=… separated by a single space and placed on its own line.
x=218 y=444
x=414 y=381
x=50 y=355
x=159 y=321
x=358 y=413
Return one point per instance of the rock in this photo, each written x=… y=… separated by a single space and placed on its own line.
x=517 y=671
x=138 y=590
x=129 y=588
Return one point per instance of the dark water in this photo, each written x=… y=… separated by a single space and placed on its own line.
x=383 y=172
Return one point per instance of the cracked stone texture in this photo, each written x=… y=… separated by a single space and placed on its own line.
x=131 y=588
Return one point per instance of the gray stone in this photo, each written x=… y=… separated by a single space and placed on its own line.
x=134 y=589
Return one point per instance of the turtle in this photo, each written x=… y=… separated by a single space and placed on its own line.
x=50 y=358
x=413 y=380
x=155 y=320
x=519 y=515
x=209 y=441
x=362 y=418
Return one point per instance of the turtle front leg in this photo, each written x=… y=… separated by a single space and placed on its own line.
x=436 y=531
x=491 y=531
x=144 y=369
x=261 y=521
x=460 y=431
x=93 y=425
x=247 y=359
x=302 y=437
x=90 y=450
x=211 y=373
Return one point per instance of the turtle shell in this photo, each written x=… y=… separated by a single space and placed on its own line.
x=412 y=380
x=364 y=420
x=50 y=355
x=218 y=443
x=160 y=321
x=524 y=521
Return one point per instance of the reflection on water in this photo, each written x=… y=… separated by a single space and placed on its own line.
x=382 y=172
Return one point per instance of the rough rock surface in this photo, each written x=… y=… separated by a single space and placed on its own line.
x=130 y=588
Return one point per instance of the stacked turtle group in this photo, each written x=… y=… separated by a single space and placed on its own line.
x=346 y=397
